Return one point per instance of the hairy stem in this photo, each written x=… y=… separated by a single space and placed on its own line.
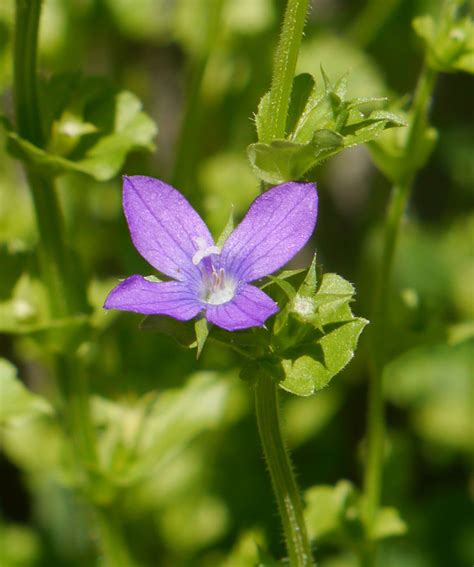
x=286 y=57
x=266 y=391
x=283 y=479
x=399 y=197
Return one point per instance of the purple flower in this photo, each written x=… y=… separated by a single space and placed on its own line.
x=173 y=238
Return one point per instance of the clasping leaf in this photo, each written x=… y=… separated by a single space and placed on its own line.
x=321 y=123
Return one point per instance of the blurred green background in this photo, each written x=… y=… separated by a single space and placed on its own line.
x=177 y=437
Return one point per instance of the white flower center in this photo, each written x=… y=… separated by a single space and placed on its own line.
x=217 y=288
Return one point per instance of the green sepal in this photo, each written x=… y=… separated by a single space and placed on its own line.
x=201 y=328
x=283 y=275
x=303 y=88
x=359 y=129
x=309 y=285
x=333 y=294
x=227 y=230
x=153 y=279
x=355 y=119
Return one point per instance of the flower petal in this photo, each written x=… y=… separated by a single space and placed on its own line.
x=165 y=229
x=277 y=225
x=137 y=294
x=250 y=307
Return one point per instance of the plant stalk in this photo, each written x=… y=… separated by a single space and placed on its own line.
x=191 y=131
x=286 y=57
x=399 y=197
x=55 y=261
x=281 y=472
x=266 y=390
x=65 y=293
x=116 y=554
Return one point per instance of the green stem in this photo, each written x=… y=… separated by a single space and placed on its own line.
x=371 y=20
x=266 y=391
x=399 y=197
x=55 y=262
x=190 y=134
x=66 y=294
x=281 y=472
x=116 y=553
x=286 y=57
x=73 y=389
x=24 y=86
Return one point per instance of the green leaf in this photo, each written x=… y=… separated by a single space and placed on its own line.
x=16 y=400
x=330 y=110
x=93 y=128
x=171 y=421
x=318 y=114
x=321 y=124
x=283 y=160
x=314 y=354
x=335 y=513
x=306 y=374
x=360 y=129
x=329 y=508
x=388 y=150
x=388 y=523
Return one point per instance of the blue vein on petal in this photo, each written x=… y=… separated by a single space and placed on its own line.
x=170 y=235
